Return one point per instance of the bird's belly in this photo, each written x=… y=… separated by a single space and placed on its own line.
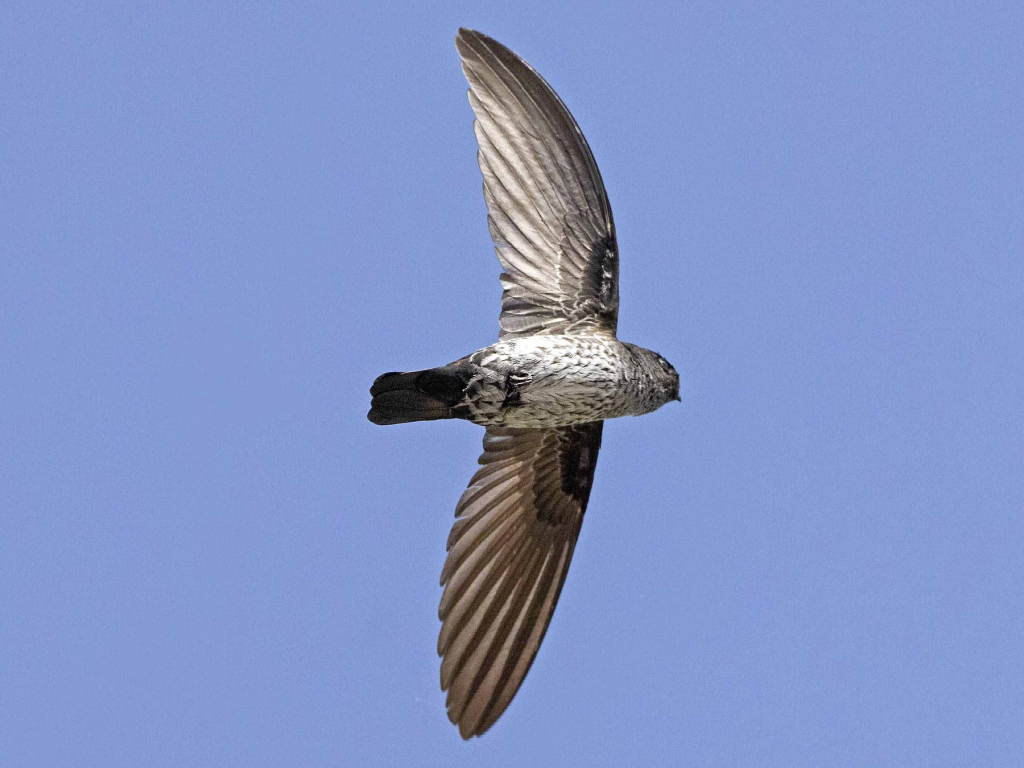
x=555 y=401
x=543 y=382
x=557 y=408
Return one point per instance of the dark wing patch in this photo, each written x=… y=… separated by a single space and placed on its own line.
x=603 y=275
x=508 y=554
x=548 y=211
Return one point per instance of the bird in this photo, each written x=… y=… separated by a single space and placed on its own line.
x=542 y=392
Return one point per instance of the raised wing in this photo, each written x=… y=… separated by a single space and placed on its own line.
x=547 y=209
x=508 y=554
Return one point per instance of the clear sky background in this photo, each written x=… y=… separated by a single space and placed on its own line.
x=220 y=221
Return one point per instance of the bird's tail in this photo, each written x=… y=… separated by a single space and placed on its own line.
x=427 y=395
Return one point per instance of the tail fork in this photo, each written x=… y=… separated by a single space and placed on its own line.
x=399 y=398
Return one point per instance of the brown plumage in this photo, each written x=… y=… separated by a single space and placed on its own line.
x=508 y=554
x=543 y=391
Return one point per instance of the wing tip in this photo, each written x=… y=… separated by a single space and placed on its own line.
x=469 y=727
x=465 y=34
x=463 y=38
x=466 y=38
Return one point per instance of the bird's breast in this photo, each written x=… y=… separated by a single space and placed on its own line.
x=551 y=381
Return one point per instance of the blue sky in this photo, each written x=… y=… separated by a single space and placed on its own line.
x=219 y=222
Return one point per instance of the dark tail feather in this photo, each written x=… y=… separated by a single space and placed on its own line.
x=427 y=395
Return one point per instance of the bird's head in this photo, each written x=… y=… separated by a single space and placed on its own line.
x=667 y=378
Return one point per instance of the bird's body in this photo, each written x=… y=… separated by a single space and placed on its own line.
x=534 y=382
x=542 y=391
